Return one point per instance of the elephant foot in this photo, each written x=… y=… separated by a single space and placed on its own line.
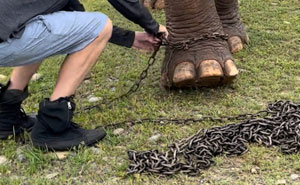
x=208 y=65
x=197 y=52
x=232 y=24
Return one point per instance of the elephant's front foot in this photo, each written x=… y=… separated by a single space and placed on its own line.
x=208 y=65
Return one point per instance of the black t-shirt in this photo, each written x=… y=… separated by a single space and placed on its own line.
x=15 y=13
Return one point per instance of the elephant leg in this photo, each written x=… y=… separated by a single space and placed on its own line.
x=232 y=24
x=205 y=62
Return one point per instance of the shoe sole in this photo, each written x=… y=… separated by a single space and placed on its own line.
x=64 y=145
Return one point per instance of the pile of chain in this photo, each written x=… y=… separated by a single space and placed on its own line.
x=278 y=126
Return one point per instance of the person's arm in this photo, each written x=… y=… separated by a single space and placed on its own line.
x=137 y=13
x=74 y=5
x=122 y=37
x=130 y=39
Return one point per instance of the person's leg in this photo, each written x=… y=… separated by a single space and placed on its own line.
x=55 y=129
x=12 y=117
x=21 y=76
x=81 y=35
x=77 y=65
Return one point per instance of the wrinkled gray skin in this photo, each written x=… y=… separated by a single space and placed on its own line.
x=230 y=19
x=227 y=11
x=193 y=18
x=190 y=19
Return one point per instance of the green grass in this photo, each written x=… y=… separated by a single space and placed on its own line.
x=270 y=70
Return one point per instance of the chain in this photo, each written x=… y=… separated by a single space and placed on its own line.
x=192 y=42
x=184 y=121
x=278 y=125
x=133 y=88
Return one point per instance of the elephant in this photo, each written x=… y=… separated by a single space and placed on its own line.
x=202 y=36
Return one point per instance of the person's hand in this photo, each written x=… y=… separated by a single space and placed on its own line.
x=163 y=30
x=145 y=41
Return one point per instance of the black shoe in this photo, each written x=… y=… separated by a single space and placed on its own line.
x=55 y=130
x=13 y=119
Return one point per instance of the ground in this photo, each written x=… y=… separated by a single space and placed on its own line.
x=269 y=69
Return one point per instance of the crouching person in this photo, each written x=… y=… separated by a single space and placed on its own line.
x=34 y=30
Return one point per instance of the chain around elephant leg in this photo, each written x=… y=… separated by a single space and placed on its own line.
x=197 y=54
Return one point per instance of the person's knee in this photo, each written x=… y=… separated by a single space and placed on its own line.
x=110 y=27
x=107 y=31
